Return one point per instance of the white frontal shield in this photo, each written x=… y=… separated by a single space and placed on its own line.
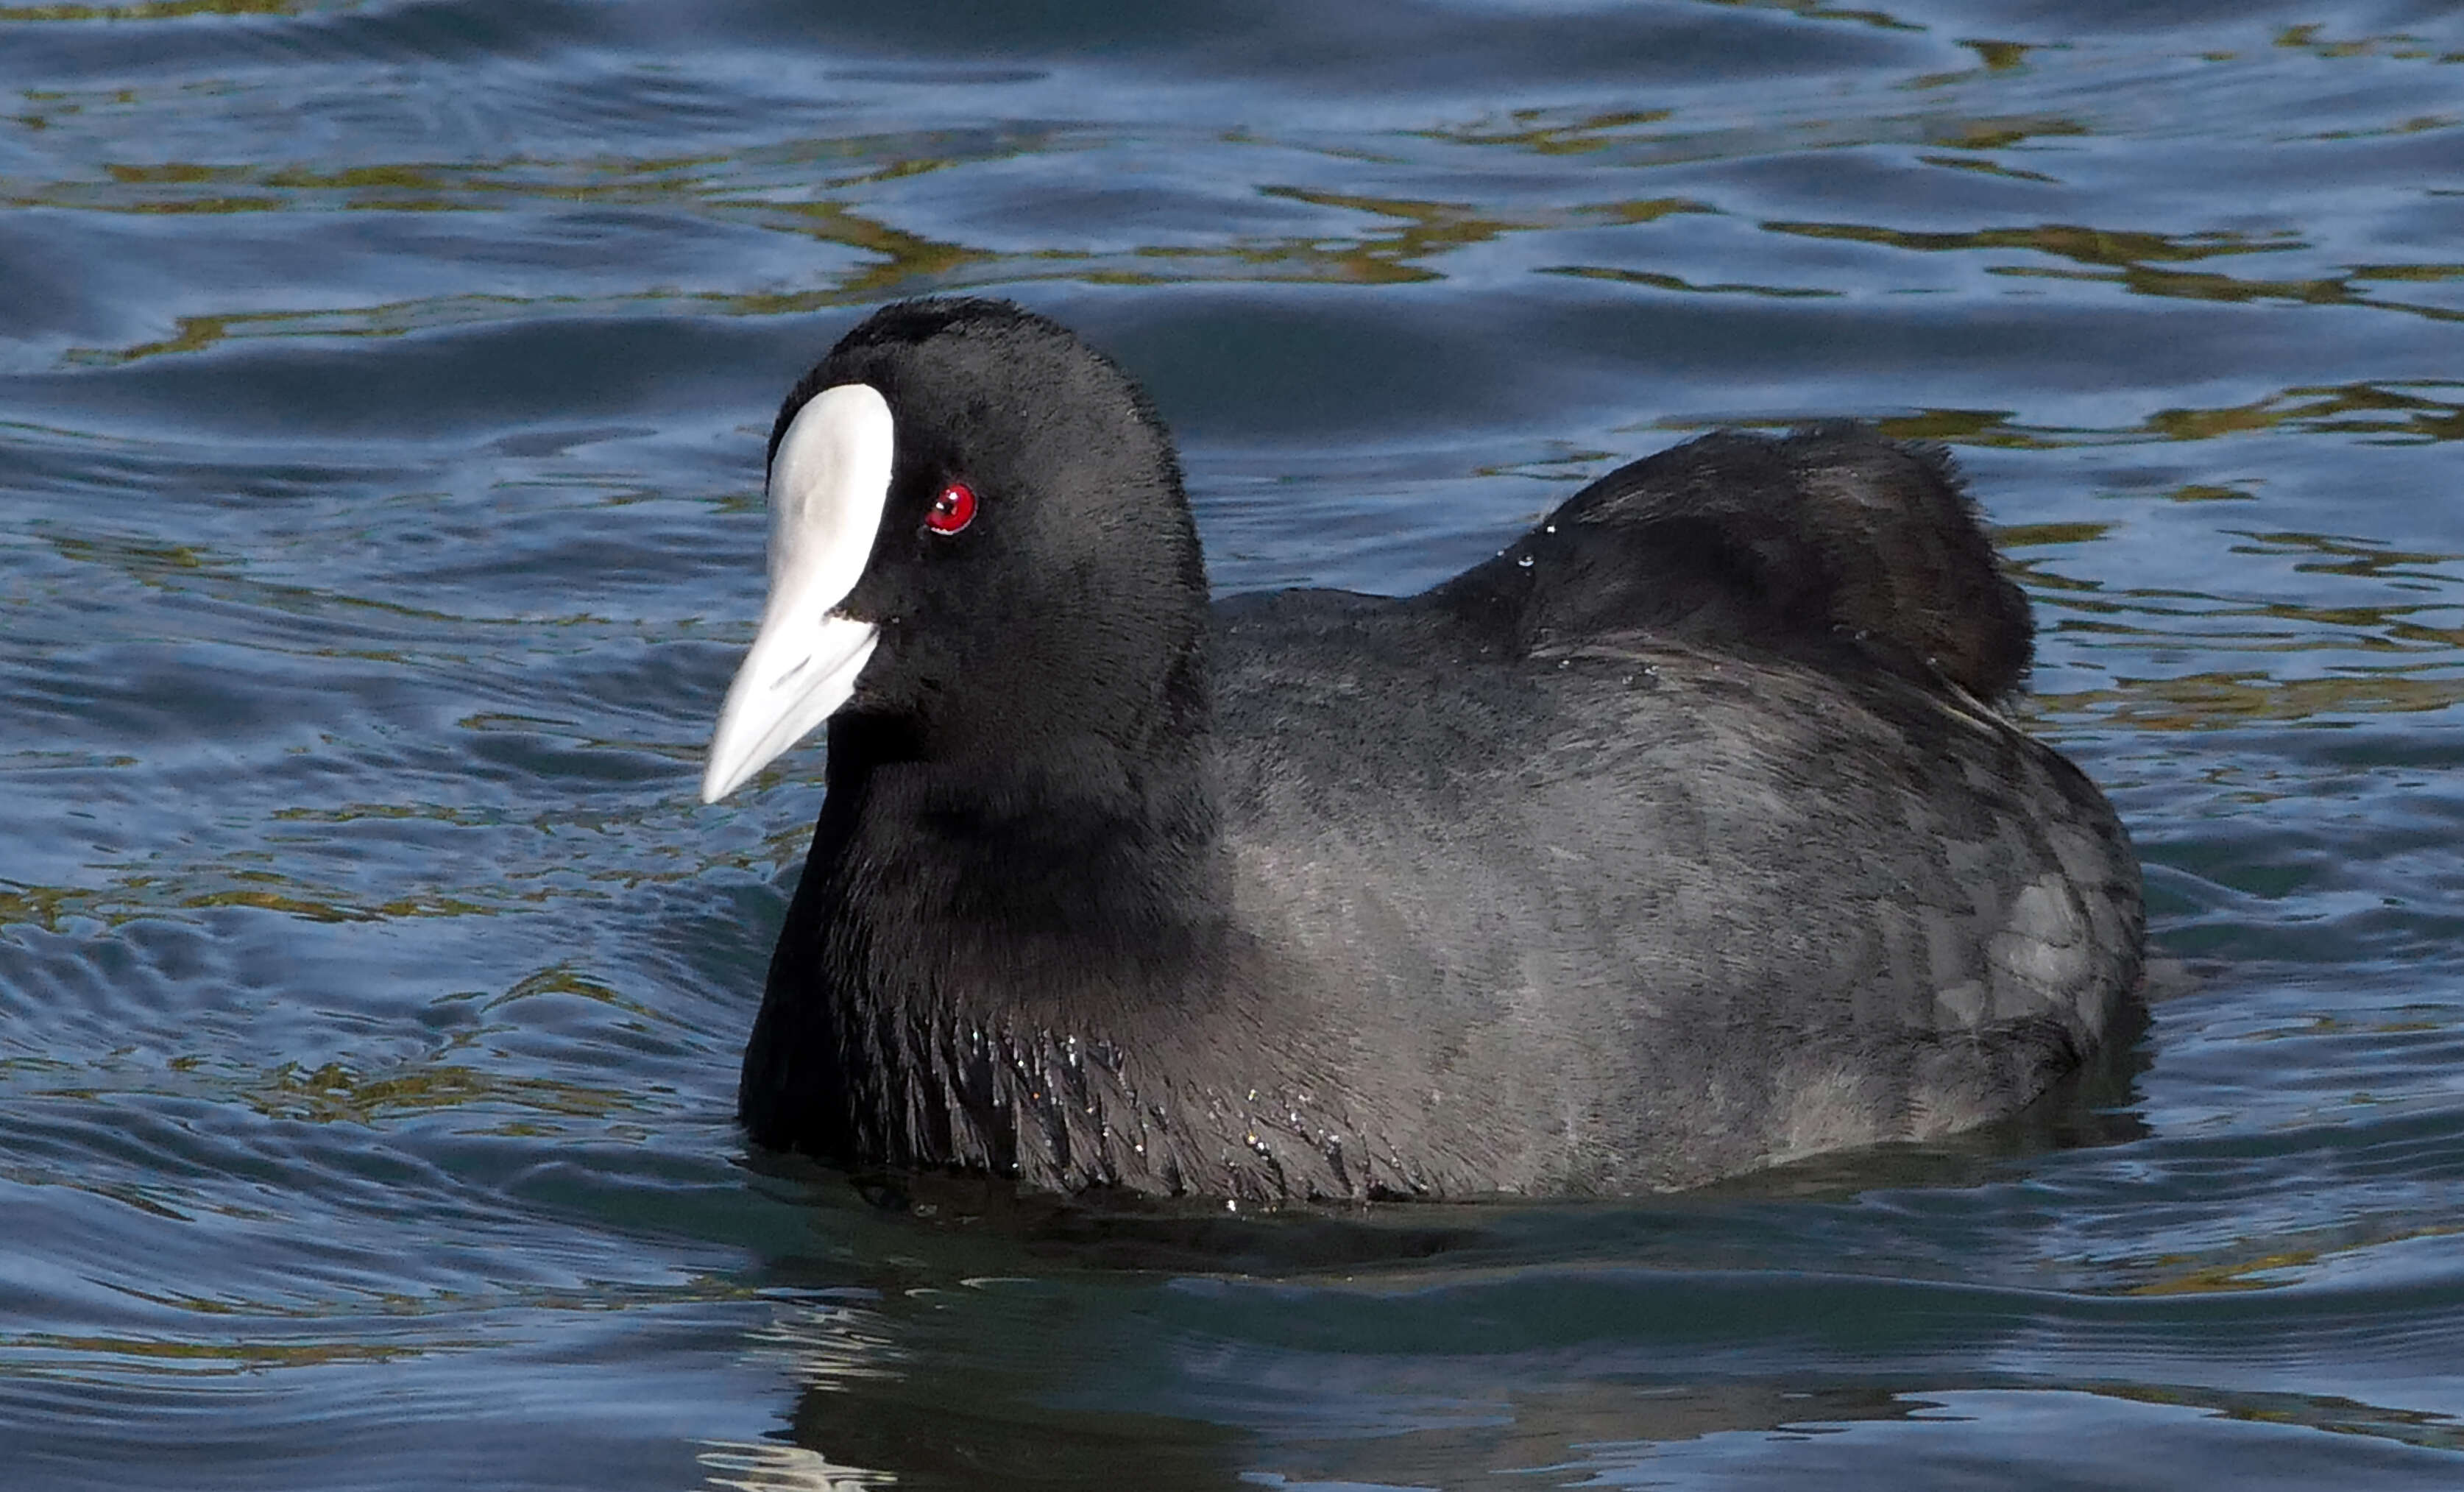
x=828 y=487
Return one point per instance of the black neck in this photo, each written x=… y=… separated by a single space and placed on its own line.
x=967 y=931
x=1084 y=839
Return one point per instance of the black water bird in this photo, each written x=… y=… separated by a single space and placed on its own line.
x=1683 y=838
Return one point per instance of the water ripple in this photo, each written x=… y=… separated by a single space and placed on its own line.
x=383 y=385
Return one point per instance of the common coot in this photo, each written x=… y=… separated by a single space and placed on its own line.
x=1683 y=838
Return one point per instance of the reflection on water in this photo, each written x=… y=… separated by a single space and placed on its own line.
x=384 y=387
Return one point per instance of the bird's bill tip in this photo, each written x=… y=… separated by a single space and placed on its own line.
x=796 y=676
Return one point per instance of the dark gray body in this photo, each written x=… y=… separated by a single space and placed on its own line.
x=1640 y=916
x=1615 y=917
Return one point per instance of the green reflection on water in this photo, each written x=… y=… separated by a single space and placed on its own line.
x=2385 y=411
x=2130 y=259
x=1988 y=168
x=226 y=1358
x=126 y=898
x=563 y=978
x=2396 y=44
x=2401 y=663
x=2177 y=284
x=2419 y=125
x=902 y=262
x=1817 y=10
x=1673 y=282
x=149 y=11
x=2000 y=57
x=183 y=567
x=2269 y=1265
x=2027 y=536
x=333 y=1093
x=2224 y=700
x=1559 y=132
x=1529 y=129
x=2098 y=246
x=125 y=895
x=1430 y=230
x=1412 y=238
x=2340 y=555
x=2327 y=1412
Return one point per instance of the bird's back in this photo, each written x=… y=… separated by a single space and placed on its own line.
x=1833 y=545
x=1589 y=900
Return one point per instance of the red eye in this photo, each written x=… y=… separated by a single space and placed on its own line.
x=954 y=510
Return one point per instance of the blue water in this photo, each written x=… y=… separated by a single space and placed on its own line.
x=382 y=400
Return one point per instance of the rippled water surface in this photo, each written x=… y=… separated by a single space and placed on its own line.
x=381 y=396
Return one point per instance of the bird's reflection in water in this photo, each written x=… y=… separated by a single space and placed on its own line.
x=983 y=1344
